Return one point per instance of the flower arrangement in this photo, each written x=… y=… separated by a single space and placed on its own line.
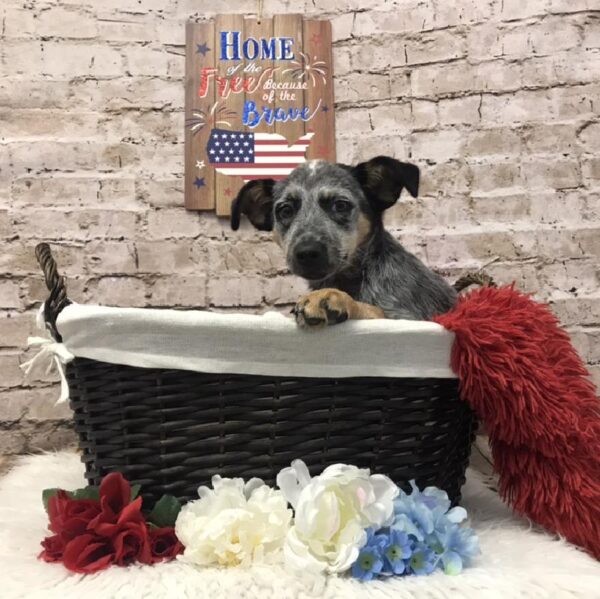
x=96 y=527
x=344 y=520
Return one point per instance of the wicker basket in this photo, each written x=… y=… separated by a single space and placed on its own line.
x=171 y=430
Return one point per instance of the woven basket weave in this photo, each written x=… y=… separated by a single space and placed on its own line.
x=172 y=430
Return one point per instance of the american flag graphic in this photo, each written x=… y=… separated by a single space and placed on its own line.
x=255 y=155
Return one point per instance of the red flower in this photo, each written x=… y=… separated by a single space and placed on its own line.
x=131 y=544
x=116 y=507
x=164 y=544
x=87 y=553
x=90 y=535
x=70 y=517
x=53 y=549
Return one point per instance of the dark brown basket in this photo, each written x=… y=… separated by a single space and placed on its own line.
x=172 y=430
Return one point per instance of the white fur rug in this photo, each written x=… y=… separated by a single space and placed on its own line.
x=517 y=560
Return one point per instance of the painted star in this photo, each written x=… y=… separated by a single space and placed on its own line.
x=200 y=164
x=321 y=151
x=325 y=108
x=228 y=192
x=315 y=38
x=202 y=49
x=199 y=182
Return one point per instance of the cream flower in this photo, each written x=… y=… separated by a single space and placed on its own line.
x=234 y=523
x=332 y=512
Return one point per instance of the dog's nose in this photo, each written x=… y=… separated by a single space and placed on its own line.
x=310 y=254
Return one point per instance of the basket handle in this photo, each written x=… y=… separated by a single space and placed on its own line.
x=56 y=286
x=474 y=278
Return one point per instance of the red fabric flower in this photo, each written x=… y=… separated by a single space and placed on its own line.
x=116 y=507
x=70 y=517
x=90 y=535
x=132 y=544
x=53 y=549
x=164 y=544
x=88 y=553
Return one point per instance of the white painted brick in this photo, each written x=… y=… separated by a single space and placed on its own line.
x=424 y=114
x=23 y=124
x=358 y=87
x=515 y=9
x=181 y=291
x=589 y=137
x=437 y=146
x=410 y=16
x=70 y=22
x=591 y=33
x=568 y=6
x=553 y=35
x=521 y=107
x=118 y=291
x=73 y=191
x=435 y=46
x=460 y=110
x=66 y=59
x=554 y=174
x=9 y=294
x=463 y=12
x=502 y=141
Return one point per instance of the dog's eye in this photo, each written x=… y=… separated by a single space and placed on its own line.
x=341 y=206
x=285 y=212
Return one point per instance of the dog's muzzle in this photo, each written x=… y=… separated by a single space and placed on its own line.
x=310 y=259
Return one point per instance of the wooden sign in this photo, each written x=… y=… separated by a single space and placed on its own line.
x=258 y=102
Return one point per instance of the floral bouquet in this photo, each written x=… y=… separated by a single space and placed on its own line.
x=344 y=520
x=96 y=527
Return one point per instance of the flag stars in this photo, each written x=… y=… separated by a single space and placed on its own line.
x=202 y=49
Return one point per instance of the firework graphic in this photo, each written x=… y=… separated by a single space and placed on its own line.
x=217 y=115
x=307 y=69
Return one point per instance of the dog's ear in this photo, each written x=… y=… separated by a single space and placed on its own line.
x=255 y=200
x=383 y=178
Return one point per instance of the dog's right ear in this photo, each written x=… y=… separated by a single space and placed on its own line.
x=255 y=200
x=383 y=178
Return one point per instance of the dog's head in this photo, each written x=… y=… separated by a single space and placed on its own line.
x=323 y=213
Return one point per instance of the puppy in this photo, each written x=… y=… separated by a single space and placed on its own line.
x=328 y=218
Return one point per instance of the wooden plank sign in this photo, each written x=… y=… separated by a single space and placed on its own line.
x=258 y=102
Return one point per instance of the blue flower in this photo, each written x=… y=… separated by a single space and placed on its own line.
x=425 y=535
x=369 y=563
x=459 y=545
x=423 y=512
x=396 y=550
x=422 y=561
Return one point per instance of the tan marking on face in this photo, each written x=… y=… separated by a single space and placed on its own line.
x=364 y=229
x=277 y=238
x=360 y=234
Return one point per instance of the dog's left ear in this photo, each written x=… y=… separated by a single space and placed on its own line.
x=383 y=178
x=255 y=200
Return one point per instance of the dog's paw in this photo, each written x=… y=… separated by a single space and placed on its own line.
x=321 y=308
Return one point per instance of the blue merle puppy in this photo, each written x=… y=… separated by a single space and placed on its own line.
x=328 y=218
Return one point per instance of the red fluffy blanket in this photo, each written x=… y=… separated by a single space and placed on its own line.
x=521 y=375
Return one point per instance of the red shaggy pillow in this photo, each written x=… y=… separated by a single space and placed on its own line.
x=521 y=375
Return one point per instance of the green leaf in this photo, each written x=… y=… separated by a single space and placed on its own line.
x=46 y=494
x=86 y=493
x=165 y=511
x=135 y=491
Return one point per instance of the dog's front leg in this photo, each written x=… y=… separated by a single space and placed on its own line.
x=331 y=306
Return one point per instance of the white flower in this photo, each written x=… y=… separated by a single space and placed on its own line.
x=233 y=523
x=332 y=512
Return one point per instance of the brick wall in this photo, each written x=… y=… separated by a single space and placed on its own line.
x=498 y=102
